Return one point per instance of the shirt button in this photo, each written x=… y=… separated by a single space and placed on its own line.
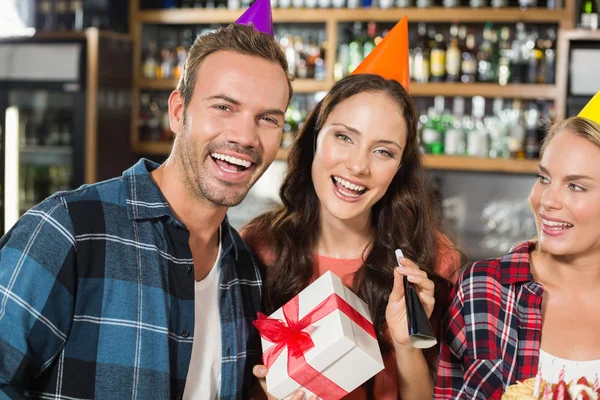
x=185 y=333
x=178 y=396
x=187 y=268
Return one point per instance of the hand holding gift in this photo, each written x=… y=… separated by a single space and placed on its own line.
x=316 y=340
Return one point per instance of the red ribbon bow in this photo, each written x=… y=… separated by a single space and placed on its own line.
x=291 y=335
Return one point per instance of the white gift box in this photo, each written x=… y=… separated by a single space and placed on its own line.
x=344 y=352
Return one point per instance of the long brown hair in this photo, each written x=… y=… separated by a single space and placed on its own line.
x=402 y=218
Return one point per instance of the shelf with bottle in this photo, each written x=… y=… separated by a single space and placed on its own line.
x=506 y=60
x=165 y=50
x=479 y=135
x=434 y=14
x=76 y=15
x=498 y=129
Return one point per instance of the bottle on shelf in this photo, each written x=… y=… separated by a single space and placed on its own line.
x=525 y=4
x=505 y=54
x=532 y=138
x=588 y=15
x=485 y=57
x=454 y=138
x=369 y=44
x=477 y=139
x=150 y=63
x=421 y=56
x=468 y=63
x=453 y=56
x=355 y=49
x=438 y=59
x=516 y=139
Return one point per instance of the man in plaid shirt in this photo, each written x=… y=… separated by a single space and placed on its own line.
x=99 y=286
x=494 y=327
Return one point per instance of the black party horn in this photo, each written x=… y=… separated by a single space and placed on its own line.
x=419 y=328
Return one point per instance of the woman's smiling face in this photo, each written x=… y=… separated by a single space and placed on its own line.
x=358 y=152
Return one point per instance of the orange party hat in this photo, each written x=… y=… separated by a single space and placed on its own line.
x=389 y=59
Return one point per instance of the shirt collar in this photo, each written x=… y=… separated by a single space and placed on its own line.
x=515 y=265
x=146 y=201
x=144 y=198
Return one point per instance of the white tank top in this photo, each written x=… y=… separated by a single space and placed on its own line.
x=550 y=366
x=204 y=374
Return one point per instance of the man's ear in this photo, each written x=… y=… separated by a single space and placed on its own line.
x=176 y=112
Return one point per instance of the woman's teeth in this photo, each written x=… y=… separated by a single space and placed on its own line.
x=231 y=160
x=554 y=225
x=348 y=185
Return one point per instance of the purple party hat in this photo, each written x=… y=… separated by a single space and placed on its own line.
x=259 y=15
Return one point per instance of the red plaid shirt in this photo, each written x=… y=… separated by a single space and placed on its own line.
x=494 y=329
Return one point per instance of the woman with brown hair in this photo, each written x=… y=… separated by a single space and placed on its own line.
x=355 y=191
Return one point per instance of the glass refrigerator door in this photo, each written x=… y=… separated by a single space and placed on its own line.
x=38 y=158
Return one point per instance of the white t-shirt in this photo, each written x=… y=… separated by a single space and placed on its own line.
x=550 y=367
x=204 y=374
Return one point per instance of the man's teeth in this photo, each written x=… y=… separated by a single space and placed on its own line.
x=231 y=160
x=555 y=224
x=349 y=185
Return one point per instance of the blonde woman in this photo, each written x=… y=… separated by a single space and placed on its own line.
x=537 y=307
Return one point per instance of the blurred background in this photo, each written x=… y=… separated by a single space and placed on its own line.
x=84 y=86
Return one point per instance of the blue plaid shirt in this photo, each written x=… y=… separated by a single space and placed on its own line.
x=97 y=298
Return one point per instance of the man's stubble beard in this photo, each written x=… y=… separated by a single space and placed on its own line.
x=202 y=189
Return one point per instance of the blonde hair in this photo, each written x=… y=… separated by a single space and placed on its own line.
x=578 y=126
x=239 y=38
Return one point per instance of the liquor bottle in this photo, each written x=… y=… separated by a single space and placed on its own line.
x=520 y=54
x=45 y=16
x=438 y=59
x=150 y=64
x=499 y=3
x=485 y=68
x=477 y=3
x=301 y=64
x=525 y=4
x=505 y=56
x=453 y=57
x=535 y=58
x=532 y=139
x=322 y=3
x=77 y=13
x=421 y=56
x=431 y=135
x=588 y=15
x=516 y=139
x=550 y=56
x=451 y=3
x=166 y=67
x=424 y=3
x=287 y=43
x=468 y=64
x=477 y=138
x=320 y=51
x=297 y=3
x=404 y=3
x=62 y=15
x=454 y=137
x=355 y=54
x=342 y=65
x=497 y=131
x=370 y=42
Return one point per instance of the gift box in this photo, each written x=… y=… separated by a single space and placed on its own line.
x=322 y=341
